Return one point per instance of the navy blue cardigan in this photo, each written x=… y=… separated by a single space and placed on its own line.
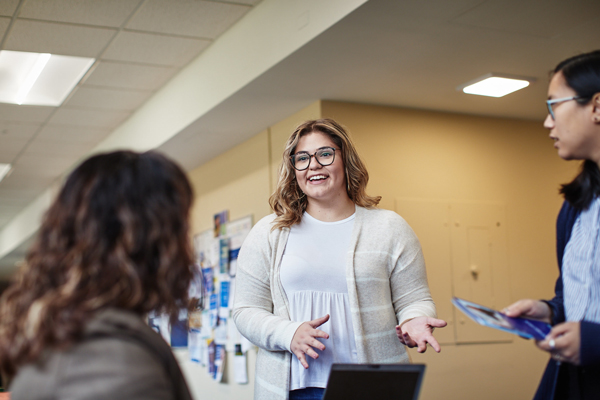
x=590 y=332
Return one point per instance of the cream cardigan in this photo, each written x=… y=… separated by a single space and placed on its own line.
x=387 y=285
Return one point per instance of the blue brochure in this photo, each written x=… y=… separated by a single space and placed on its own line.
x=526 y=328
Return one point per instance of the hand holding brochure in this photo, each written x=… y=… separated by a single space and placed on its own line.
x=526 y=328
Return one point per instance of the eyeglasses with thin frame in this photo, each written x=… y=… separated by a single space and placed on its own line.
x=324 y=156
x=549 y=103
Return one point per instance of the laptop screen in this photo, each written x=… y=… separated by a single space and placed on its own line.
x=374 y=381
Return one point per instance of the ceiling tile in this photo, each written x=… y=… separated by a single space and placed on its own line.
x=4 y=22
x=154 y=49
x=87 y=117
x=10 y=149
x=8 y=7
x=130 y=76
x=247 y=2
x=30 y=185
x=73 y=134
x=204 y=19
x=55 y=38
x=30 y=114
x=38 y=167
x=531 y=17
x=110 y=99
x=58 y=148
x=111 y=13
x=17 y=130
x=10 y=209
x=15 y=196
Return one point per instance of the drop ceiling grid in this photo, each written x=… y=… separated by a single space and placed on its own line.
x=201 y=19
x=139 y=45
x=58 y=38
x=4 y=22
x=156 y=49
x=107 y=13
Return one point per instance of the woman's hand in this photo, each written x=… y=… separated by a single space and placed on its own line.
x=563 y=342
x=417 y=332
x=305 y=339
x=528 y=308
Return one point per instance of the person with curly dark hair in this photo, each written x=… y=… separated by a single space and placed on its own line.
x=573 y=371
x=112 y=247
x=328 y=277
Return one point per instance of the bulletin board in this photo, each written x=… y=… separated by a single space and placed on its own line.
x=206 y=328
x=211 y=332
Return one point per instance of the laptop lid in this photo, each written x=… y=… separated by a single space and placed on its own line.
x=374 y=381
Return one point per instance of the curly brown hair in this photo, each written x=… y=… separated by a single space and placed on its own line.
x=289 y=203
x=116 y=236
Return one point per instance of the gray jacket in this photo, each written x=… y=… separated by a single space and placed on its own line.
x=119 y=357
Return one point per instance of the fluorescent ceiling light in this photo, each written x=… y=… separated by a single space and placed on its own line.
x=495 y=85
x=4 y=170
x=39 y=79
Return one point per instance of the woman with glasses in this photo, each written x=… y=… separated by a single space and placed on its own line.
x=113 y=246
x=328 y=278
x=573 y=119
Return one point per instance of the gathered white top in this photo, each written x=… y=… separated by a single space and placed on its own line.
x=313 y=275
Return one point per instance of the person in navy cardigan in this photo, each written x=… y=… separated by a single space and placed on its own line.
x=573 y=371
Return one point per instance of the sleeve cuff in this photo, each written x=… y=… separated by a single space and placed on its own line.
x=419 y=309
x=289 y=333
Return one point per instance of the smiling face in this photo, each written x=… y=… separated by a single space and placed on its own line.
x=321 y=184
x=573 y=130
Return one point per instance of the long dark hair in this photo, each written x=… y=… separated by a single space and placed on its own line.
x=582 y=74
x=115 y=237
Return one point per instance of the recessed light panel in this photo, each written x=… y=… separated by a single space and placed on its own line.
x=495 y=86
x=4 y=170
x=39 y=79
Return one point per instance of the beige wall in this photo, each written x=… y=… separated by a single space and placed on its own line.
x=435 y=157
x=240 y=181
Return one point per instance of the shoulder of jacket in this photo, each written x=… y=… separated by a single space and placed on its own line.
x=264 y=225
x=380 y=215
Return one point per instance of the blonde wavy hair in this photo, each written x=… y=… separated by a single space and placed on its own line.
x=289 y=202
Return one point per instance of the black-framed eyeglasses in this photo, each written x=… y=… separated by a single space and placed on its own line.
x=549 y=103
x=324 y=156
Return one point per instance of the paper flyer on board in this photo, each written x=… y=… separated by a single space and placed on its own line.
x=240 y=366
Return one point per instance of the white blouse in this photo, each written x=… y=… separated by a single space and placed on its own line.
x=581 y=267
x=313 y=275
